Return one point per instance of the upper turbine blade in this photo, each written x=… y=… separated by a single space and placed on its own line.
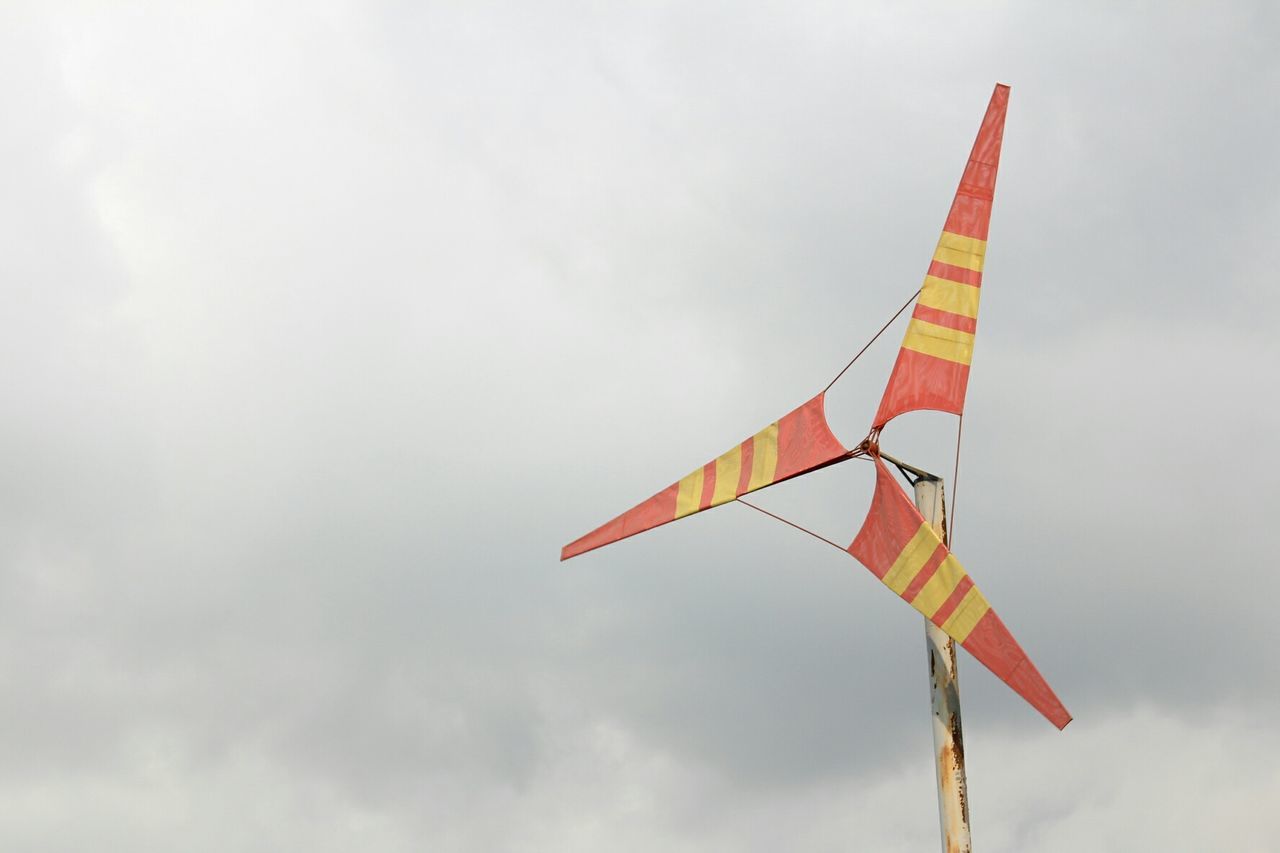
x=932 y=370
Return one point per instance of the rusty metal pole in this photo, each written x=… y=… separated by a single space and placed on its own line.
x=948 y=739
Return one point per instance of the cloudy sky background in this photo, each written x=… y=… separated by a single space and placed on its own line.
x=329 y=323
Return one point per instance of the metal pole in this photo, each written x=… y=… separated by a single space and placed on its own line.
x=948 y=739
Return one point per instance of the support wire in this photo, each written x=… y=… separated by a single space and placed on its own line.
x=955 y=483
x=793 y=524
x=872 y=341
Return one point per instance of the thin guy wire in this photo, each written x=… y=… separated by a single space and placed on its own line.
x=955 y=484
x=793 y=524
x=872 y=341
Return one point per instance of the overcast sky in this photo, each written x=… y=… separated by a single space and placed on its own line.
x=326 y=325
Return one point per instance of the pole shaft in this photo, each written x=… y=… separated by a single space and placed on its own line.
x=948 y=739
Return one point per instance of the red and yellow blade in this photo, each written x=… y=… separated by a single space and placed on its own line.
x=932 y=370
x=794 y=444
x=902 y=549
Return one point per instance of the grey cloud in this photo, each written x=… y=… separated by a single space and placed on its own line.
x=328 y=326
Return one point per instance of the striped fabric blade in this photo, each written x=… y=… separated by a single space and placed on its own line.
x=903 y=551
x=794 y=444
x=932 y=370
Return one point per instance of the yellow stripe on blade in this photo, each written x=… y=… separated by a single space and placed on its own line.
x=939 y=341
x=939 y=587
x=689 y=495
x=958 y=251
x=953 y=296
x=728 y=468
x=764 y=457
x=912 y=559
x=971 y=609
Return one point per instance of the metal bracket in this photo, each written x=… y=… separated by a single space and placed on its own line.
x=912 y=474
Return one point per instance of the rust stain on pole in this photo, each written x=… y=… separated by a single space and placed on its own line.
x=948 y=737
